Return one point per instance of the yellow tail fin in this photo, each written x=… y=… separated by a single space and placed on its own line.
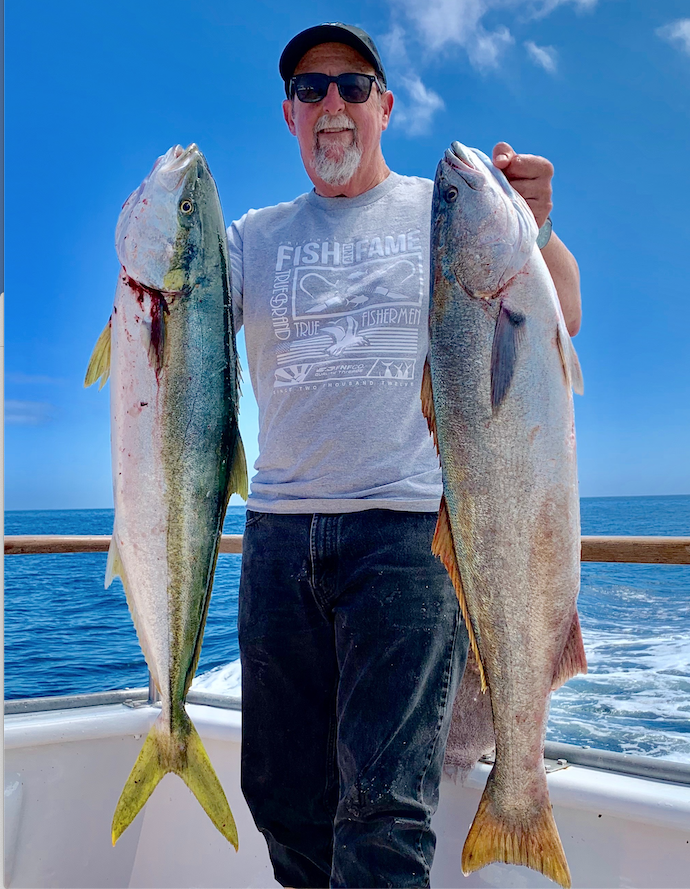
x=181 y=752
x=533 y=842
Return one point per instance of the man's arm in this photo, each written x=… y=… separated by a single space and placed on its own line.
x=531 y=177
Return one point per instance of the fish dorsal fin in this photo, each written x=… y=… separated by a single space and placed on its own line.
x=428 y=408
x=570 y=361
x=508 y=335
x=573 y=660
x=99 y=365
x=443 y=547
x=239 y=482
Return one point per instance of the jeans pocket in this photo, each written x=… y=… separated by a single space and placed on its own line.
x=253 y=518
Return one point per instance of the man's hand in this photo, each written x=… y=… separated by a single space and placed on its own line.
x=529 y=175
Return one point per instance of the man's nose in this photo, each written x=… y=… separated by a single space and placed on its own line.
x=332 y=103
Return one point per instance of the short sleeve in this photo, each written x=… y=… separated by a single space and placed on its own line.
x=235 y=244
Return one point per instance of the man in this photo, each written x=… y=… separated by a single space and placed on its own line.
x=350 y=639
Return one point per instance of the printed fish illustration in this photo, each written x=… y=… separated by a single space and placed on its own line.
x=177 y=456
x=497 y=394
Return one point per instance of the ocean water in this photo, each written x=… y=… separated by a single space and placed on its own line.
x=66 y=634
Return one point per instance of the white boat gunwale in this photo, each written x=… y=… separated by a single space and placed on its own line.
x=631 y=549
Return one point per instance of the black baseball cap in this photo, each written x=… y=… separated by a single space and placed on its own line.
x=330 y=32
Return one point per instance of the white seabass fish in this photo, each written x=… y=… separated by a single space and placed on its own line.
x=497 y=393
x=177 y=456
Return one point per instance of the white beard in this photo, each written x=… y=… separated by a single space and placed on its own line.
x=336 y=170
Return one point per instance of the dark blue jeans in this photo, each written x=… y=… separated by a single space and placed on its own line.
x=352 y=648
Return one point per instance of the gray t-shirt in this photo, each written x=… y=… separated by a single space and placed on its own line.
x=334 y=296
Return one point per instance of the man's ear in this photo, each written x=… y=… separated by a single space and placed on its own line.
x=386 y=107
x=287 y=114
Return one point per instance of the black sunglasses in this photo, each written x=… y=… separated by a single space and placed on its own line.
x=354 y=88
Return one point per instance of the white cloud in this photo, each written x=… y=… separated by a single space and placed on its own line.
x=415 y=111
x=31 y=379
x=27 y=413
x=415 y=114
x=442 y=23
x=544 y=56
x=422 y=30
x=678 y=33
x=545 y=7
x=394 y=48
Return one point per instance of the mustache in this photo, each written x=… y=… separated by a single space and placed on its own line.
x=334 y=121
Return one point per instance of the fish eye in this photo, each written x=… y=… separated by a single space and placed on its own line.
x=451 y=194
x=186 y=206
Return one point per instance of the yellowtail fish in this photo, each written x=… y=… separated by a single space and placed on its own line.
x=497 y=394
x=177 y=456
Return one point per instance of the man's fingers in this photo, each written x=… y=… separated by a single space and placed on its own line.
x=503 y=154
x=530 y=175
x=532 y=189
x=529 y=166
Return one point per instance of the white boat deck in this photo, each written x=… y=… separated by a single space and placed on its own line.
x=64 y=770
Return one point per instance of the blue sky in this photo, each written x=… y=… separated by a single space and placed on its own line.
x=95 y=92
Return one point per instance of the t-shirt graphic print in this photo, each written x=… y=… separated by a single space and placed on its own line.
x=350 y=311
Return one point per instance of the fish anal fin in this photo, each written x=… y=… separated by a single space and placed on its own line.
x=573 y=660
x=508 y=335
x=115 y=568
x=533 y=842
x=570 y=361
x=428 y=408
x=180 y=751
x=443 y=546
x=239 y=482
x=99 y=364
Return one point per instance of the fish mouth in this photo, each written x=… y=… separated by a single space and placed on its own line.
x=463 y=161
x=175 y=164
x=461 y=153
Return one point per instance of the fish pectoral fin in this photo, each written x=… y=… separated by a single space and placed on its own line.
x=181 y=752
x=443 y=546
x=239 y=482
x=570 y=361
x=428 y=408
x=99 y=365
x=508 y=334
x=573 y=660
x=532 y=842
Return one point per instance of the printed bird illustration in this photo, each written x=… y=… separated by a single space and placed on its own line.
x=344 y=338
